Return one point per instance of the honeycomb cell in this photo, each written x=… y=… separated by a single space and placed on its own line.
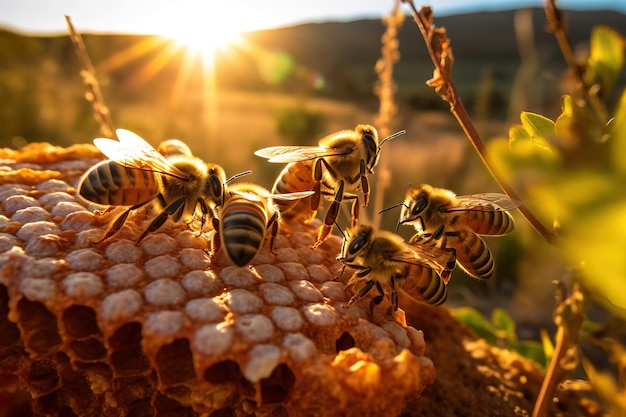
x=82 y=284
x=80 y=321
x=333 y=290
x=45 y=245
x=7 y=241
x=202 y=283
x=65 y=208
x=18 y=202
x=56 y=197
x=237 y=277
x=277 y=386
x=194 y=258
x=53 y=185
x=42 y=377
x=39 y=327
x=121 y=305
x=128 y=358
x=214 y=339
x=38 y=288
x=43 y=268
x=287 y=318
x=79 y=221
x=123 y=251
x=287 y=255
x=320 y=314
x=305 y=291
x=294 y=270
x=270 y=273
x=205 y=310
x=158 y=244
x=242 y=301
x=300 y=347
x=164 y=323
x=31 y=215
x=174 y=363
x=318 y=273
x=263 y=361
x=88 y=350
x=164 y=266
x=397 y=333
x=164 y=292
x=84 y=260
x=276 y=294
x=255 y=327
x=124 y=275
x=30 y=230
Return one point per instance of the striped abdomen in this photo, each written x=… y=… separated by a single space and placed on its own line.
x=296 y=176
x=242 y=229
x=109 y=183
x=472 y=254
x=423 y=284
x=487 y=222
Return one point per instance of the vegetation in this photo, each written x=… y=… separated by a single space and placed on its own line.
x=567 y=169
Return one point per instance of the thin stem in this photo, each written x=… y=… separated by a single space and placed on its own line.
x=557 y=27
x=88 y=73
x=444 y=85
x=385 y=89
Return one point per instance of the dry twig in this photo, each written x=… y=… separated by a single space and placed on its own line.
x=93 y=94
x=438 y=46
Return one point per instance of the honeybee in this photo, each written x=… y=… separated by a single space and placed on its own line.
x=384 y=258
x=337 y=168
x=137 y=174
x=249 y=210
x=454 y=223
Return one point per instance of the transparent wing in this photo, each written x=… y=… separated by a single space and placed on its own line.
x=286 y=154
x=427 y=255
x=484 y=202
x=133 y=152
x=292 y=196
x=257 y=195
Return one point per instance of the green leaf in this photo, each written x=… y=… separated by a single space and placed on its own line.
x=538 y=126
x=530 y=349
x=606 y=59
x=504 y=323
x=476 y=322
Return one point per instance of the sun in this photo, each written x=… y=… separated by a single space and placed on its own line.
x=204 y=33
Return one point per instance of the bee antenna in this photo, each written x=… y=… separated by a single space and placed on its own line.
x=392 y=207
x=241 y=174
x=392 y=136
x=340 y=229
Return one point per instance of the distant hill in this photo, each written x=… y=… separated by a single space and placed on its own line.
x=36 y=72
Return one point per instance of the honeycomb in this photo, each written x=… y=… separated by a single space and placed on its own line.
x=163 y=329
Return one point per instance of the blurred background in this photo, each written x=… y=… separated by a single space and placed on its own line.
x=230 y=81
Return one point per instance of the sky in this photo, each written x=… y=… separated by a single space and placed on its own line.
x=166 y=16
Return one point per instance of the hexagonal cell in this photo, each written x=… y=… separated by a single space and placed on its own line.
x=80 y=321
x=174 y=363
x=9 y=332
x=41 y=335
x=127 y=356
x=169 y=407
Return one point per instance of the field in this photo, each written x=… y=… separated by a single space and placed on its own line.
x=328 y=87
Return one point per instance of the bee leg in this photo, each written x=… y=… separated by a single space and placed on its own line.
x=118 y=223
x=394 y=294
x=355 y=212
x=215 y=240
x=273 y=222
x=317 y=187
x=362 y=292
x=365 y=185
x=331 y=216
x=204 y=208
x=174 y=209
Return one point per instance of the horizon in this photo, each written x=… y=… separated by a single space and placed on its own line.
x=48 y=19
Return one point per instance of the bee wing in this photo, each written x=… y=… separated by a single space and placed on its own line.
x=429 y=256
x=292 y=196
x=134 y=152
x=286 y=154
x=484 y=202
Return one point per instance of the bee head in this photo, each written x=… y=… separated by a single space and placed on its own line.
x=415 y=203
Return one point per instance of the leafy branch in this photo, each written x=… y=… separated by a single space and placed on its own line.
x=439 y=49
